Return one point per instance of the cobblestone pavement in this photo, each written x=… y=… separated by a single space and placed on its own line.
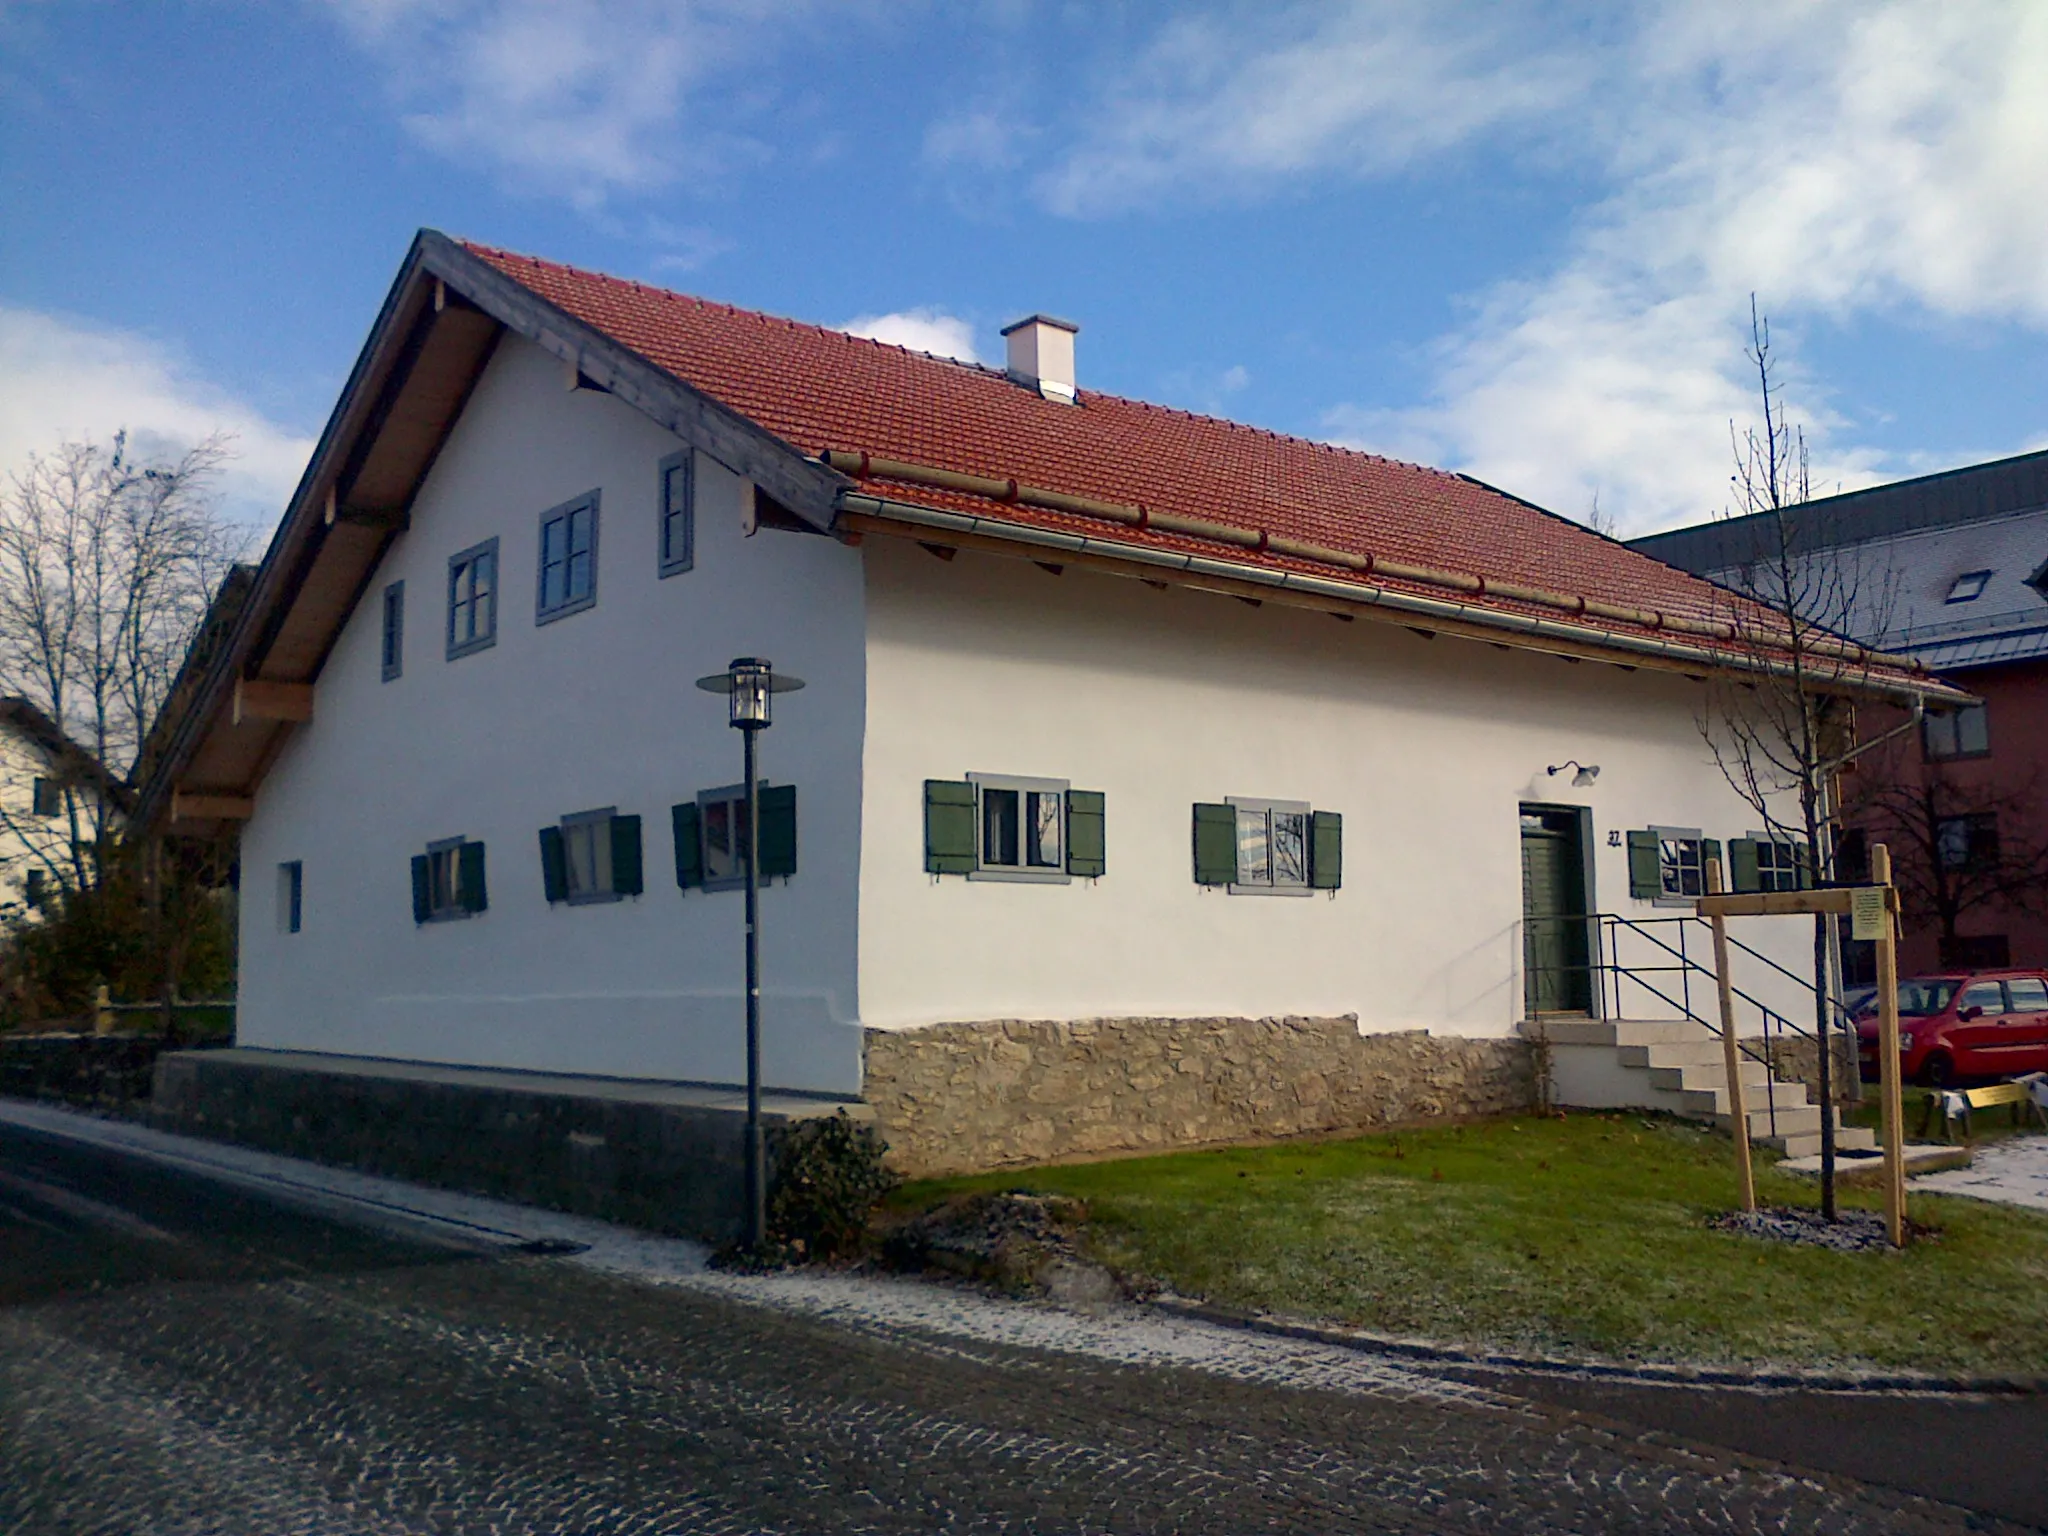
x=179 y=1357
x=2014 y=1172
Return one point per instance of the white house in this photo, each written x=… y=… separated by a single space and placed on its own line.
x=1112 y=713
x=56 y=801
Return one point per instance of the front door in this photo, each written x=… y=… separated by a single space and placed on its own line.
x=1556 y=955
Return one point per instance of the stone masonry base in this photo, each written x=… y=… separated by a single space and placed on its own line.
x=962 y=1098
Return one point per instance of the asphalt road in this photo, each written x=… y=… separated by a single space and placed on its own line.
x=179 y=1357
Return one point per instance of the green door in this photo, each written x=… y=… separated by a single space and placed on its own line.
x=1555 y=952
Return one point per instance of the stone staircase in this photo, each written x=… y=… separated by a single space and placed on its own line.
x=1677 y=1065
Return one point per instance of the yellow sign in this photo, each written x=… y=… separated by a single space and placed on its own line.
x=1866 y=912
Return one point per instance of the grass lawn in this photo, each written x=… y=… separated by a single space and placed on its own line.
x=1582 y=1235
x=1985 y=1124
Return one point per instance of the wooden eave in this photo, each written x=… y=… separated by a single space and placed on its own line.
x=440 y=322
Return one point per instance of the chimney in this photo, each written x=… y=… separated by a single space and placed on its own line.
x=1042 y=355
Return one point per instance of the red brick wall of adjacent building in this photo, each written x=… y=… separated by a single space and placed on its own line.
x=2014 y=774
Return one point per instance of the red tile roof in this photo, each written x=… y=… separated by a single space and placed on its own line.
x=820 y=389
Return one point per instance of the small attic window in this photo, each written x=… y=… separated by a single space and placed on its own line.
x=1967 y=587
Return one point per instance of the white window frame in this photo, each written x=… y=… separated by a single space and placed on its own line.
x=1667 y=897
x=597 y=826
x=1273 y=884
x=1022 y=872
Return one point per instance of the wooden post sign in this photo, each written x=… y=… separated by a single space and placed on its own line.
x=1873 y=913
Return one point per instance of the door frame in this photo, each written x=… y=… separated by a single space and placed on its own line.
x=1582 y=816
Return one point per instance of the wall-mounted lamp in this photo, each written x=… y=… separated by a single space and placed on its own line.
x=1583 y=779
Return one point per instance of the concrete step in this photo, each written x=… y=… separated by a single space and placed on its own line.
x=1711 y=1076
x=1621 y=1032
x=1712 y=1102
x=1671 y=1053
x=1848 y=1138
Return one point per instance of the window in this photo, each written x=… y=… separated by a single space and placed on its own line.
x=568 y=559
x=1964 y=732
x=1986 y=996
x=1967 y=844
x=448 y=881
x=1669 y=864
x=291 y=891
x=678 y=512
x=473 y=599
x=1968 y=587
x=2029 y=994
x=393 y=652
x=591 y=856
x=1022 y=828
x=35 y=887
x=711 y=837
x=46 y=799
x=1268 y=847
x=1761 y=862
x=1272 y=846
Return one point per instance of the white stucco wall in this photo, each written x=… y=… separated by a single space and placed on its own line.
x=597 y=709
x=1164 y=698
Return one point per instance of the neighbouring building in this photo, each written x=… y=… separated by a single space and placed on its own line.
x=56 y=802
x=1157 y=779
x=1950 y=570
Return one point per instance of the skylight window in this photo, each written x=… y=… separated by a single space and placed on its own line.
x=1968 y=587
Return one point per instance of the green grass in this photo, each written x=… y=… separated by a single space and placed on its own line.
x=1582 y=1235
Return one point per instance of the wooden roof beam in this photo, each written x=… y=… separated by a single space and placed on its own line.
x=210 y=806
x=258 y=699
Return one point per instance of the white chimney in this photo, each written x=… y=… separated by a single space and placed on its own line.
x=1042 y=355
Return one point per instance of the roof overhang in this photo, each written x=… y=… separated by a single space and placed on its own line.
x=864 y=514
x=443 y=317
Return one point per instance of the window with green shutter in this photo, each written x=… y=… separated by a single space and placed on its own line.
x=1259 y=847
x=1087 y=845
x=628 y=875
x=1744 y=873
x=554 y=865
x=1668 y=865
x=1326 y=851
x=948 y=827
x=591 y=856
x=1773 y=863
x=722 y=835
x=1215 y=844
x=448 y=881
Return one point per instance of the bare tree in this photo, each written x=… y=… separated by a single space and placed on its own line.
x=108 y=561
x=1782 y=733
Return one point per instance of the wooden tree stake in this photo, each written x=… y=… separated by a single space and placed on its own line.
x=1731 y=1053
x=1888 y=1051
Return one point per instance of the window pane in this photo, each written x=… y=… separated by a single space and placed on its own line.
x=675 y=514
x=1985 y=995
x=1290 y=848
x=1042 y=813
x=1254 y=851
x=721 y=848
x=2029 y=994
x=441 y=869
x=1679 y=864
x=999 y=827
x=576 y=585
x=1952 y=838
x=580 y=850
x=1973 y=733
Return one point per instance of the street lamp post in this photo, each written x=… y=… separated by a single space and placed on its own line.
x=749 y=683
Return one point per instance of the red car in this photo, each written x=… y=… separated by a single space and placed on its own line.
x=1963 y=1024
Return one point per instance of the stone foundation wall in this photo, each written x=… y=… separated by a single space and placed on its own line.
x=1797 y=1059
x=961 y=1098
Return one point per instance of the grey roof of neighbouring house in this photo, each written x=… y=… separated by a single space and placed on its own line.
x=1909 y=543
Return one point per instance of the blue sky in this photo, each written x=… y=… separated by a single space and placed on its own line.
x=1517 y=240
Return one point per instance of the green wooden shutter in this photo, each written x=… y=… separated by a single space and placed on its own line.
x=1325 y=851
x=554 y=865
x=422 y=889
x=1802 y=855
x=627 y=876
x=689 y=845
x=948 y=827
x=778 y=831
x=1645 y=867
x=469 y=865
x=1215 y=844
x=1087 y=846
x=1742 y=870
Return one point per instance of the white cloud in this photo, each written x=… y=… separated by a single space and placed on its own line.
x=64 y=379
x=1841 y=160
x=580 y=98
x=1222 y=105
x=921 y=330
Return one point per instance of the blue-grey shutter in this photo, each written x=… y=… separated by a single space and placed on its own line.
x=627 y=876
x=554 y=865
x=689 y=845
x=1087 y=841
x=949 y=827
x=422 y=889
x=1742 y=870
x=1645 y=866
x=1215 y=844
x=469 y=873
x=1325 y=850
x=778 y=831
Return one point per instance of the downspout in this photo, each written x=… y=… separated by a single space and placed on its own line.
x=1829 y=772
